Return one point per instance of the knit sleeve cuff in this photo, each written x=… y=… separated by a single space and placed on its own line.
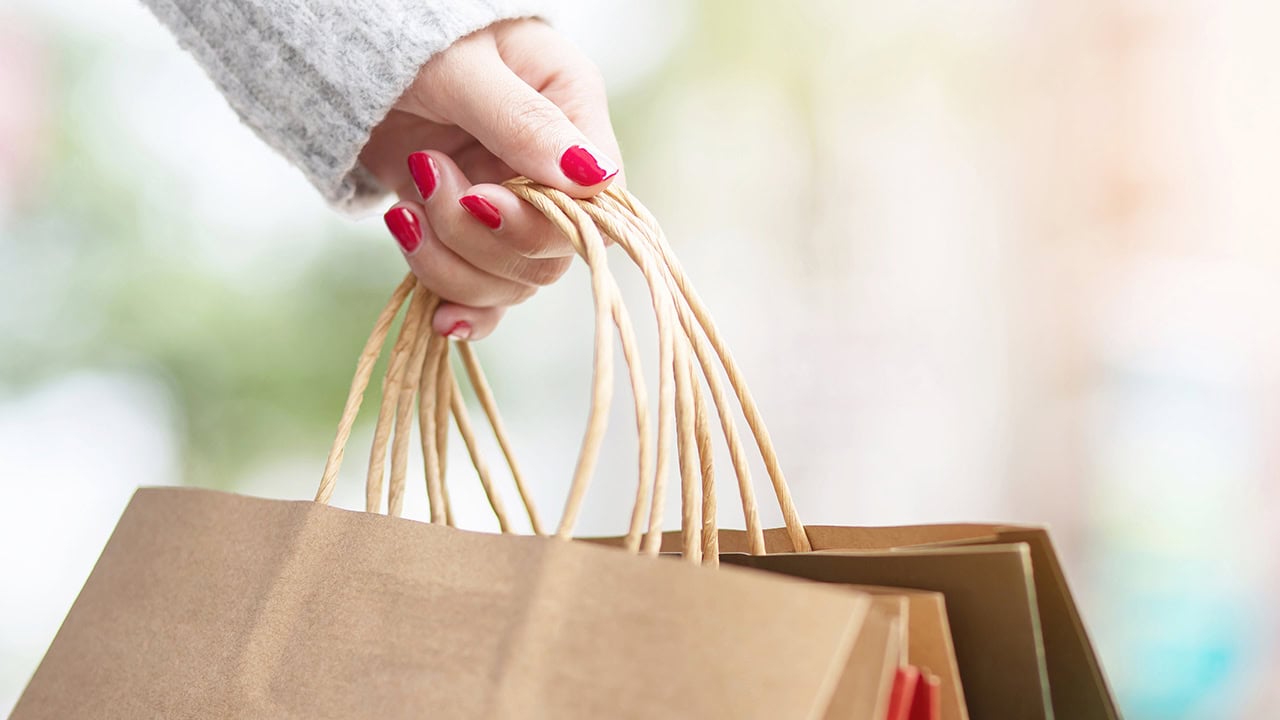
x=313 y=78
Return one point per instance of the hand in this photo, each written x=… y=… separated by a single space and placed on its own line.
x=512 y=99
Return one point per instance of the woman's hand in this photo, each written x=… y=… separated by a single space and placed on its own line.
x=512 y=99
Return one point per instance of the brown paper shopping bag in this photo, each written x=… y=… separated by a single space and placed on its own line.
x=929 y=646
x=991 y=610
x=1019 y=639
x=907 y=631
x=213 y=605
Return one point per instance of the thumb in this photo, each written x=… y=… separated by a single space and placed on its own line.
x=528 y=132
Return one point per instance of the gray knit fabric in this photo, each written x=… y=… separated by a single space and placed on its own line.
x=313 y=77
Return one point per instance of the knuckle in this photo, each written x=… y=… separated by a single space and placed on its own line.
x=586 y=92
x=590 y=82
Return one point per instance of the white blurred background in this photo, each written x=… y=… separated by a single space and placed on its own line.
x=993 y=260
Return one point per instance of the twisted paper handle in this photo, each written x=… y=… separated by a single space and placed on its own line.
x=689 y=346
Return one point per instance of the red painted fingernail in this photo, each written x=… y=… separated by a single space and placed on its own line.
x=404 y=227
x=461 y=330
x=423 y=170
x=584 y=168
x=482 y=210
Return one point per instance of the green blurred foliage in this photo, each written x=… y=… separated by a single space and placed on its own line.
x=256 y=370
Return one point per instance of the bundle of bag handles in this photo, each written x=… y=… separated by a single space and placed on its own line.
x=689 y=347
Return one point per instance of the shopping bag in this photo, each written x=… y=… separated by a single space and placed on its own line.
x=212 y=605
x=903 y=629
x=1005 y=591
x=929 y=649
x=998 y=620
x=207 y=604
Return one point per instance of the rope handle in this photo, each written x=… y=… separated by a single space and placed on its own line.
x=689 y=346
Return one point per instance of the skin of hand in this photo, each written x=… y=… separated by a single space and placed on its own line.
x=513 y=99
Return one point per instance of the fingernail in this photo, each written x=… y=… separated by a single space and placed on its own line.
x=584 y=168
x=404 y=227
x=482 y=210
x=461 y=330
x=422 y=168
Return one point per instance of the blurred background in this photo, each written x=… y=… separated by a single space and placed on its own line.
x=994 y=260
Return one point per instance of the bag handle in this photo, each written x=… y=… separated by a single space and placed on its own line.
x=689 y=345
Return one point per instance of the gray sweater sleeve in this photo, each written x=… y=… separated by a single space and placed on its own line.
x=313 y=77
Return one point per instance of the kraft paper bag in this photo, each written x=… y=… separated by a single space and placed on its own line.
x=1006 y=600
x=206 y=604
x=212 y=605
x=903 y=629
x=929 y=646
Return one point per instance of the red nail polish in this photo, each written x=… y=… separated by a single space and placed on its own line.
x=461 y=330
x=482 y=210
x=404 y=227
x=422 y=168
x=584 y=168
